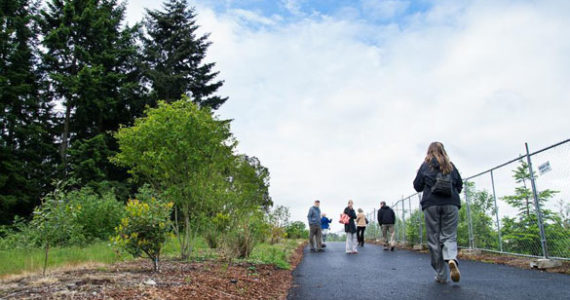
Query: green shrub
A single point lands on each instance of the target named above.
(96, 215)
(19, 235)
(144, 229)
(296, 230)
(219, 226)
(55, 221)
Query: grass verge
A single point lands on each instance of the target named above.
(278, 254)
(17, 261)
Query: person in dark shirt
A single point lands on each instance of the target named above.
(386, 220)
(350, 229)
(440, 183)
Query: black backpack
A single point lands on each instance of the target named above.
(443, 185)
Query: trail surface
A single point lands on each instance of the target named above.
(378, 274)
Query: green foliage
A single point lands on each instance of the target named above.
(56, 221)
(19, 235)
(296, 230)
(184, 152)
(27, 148)
(413, 228)
(276, 254)
(220, 225)
(97, 215)
(32, 259)
(523, 198)
(173, 52)
(144, 229)
(482, 212)
(521, 234)
(91, 59)
(278, 219)
(64, 219)
(333, 237)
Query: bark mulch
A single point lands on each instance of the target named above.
(211, 279)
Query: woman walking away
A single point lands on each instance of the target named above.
(441, 185)
(350, 229)
(361, 223)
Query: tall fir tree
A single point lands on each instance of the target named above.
(91, 59)
(173, 55)
(27, 154)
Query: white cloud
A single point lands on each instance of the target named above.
(384, 9)
(342, 109)
(293, 6)
(252, 17)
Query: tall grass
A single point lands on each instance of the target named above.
(18, 260)
(277, 254)
(15, 261)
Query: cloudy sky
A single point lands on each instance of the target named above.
(340, 99)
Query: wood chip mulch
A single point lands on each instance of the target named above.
(177, 280)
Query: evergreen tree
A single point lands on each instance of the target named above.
(91, 59)
(173, 55)
(521, 234)
(26, 151)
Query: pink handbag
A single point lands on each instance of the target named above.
(344, 219)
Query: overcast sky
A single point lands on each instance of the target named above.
(340, 99)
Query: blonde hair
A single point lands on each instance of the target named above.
(437, 151)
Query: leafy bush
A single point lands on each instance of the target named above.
(144, 229)
(66, 218)
(96, 215)
(296, 230)
(219, 226)
(55, 221)
(278, 219)
(19, 235)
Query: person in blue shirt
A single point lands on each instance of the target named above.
(325, 227)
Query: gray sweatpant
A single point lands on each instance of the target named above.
(441, 230)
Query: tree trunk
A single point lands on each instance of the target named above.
(46, 258)
(155, 263)
(65, 137)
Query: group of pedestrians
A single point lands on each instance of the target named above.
(354, 226)
(440, 183)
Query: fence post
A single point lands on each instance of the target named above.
(537, 205)
(410, 211)
(420, 221)
(497, 212)
(469, 221)
(375, 218)
(403, 221)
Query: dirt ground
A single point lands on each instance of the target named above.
(495, 258)
(134, 280)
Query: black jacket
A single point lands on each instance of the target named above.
(386, 216)
(351, 226)
(425, 179)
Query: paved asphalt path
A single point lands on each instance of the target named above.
(378, 274)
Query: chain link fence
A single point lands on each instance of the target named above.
(520, 207)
